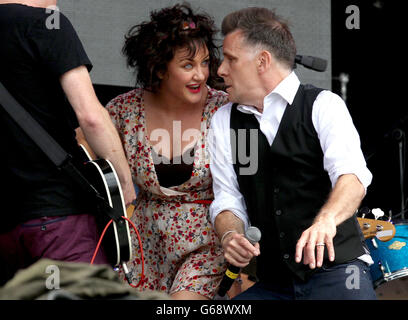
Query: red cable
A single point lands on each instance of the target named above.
(141, 253)
(140, 245)
(100, 240)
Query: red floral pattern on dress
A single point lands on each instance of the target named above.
(181, 248)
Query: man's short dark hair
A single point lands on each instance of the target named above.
(262, 26)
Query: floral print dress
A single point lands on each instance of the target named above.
(180, 247)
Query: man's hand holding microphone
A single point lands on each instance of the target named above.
(239, 249)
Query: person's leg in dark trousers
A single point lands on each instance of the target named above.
(349, 281)
(69, 238)
(266, 291)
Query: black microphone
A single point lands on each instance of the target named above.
(314, 63)
(253, 235)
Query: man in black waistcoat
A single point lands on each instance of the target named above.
(286, 157)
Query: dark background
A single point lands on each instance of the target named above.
(372, 57)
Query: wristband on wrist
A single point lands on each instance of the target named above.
(225, 234)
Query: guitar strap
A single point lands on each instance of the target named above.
(58, 156)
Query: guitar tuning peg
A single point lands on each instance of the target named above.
(364, 211)
(377, 212)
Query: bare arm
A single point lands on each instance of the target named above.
(81, 140)
(237, 249)
(97, 126)
(343, 202)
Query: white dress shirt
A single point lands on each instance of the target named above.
(338, 138)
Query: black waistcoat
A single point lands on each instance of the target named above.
(288, 188)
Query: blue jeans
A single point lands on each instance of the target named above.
(349, 281)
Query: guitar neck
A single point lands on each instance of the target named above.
(382, 230)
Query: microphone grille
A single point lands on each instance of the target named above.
(253, 234)
(319, 64)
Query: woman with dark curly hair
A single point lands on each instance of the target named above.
(163, 124)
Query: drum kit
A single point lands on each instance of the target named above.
(387, 236)
(387, 241)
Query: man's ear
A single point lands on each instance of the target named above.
(264, 60)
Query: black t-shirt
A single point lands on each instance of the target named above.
(32, 59)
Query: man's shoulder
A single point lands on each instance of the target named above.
(322, 95)
(327, 96)
(223, 113)
(25, 13)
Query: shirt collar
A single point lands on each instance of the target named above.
(286, 89)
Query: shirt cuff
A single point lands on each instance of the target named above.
(363, 175)
(216, 210)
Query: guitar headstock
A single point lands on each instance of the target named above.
(382, 230)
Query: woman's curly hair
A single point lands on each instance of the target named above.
(151, 45)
